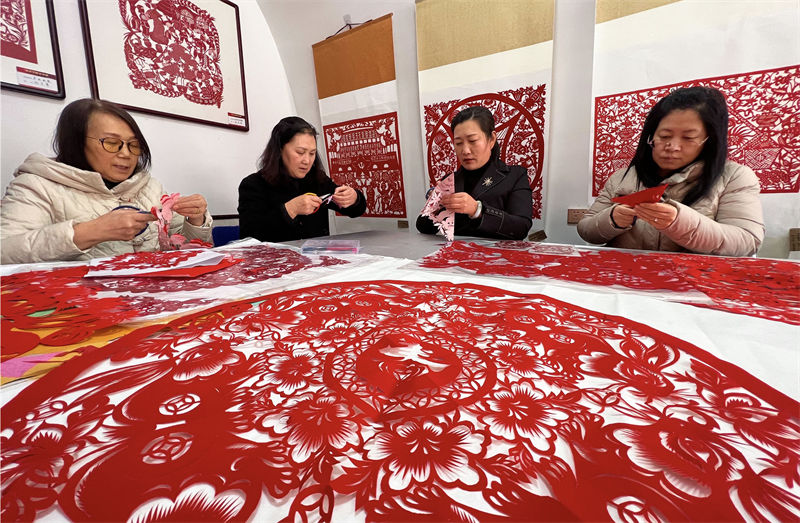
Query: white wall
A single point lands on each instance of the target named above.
(187, 157)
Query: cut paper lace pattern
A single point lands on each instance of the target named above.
(423, 401)
(172, 48)
(261, 262)
(442, 218)
(63, 300)
(763, 132)
(757, 287)
(365, 154)
(519, 116)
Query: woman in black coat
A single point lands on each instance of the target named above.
(288, 197)
(491, 199)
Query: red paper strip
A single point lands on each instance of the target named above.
(651, 195)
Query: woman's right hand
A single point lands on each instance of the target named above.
(623, 215)
(303, 205)
(120, 224)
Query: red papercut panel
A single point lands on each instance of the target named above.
(261, 262)
(757, 287)
(410, 401)
(365, 154)
(16, 30)
(54, 300)
(519, 123)
(763, 133)
(172, 49)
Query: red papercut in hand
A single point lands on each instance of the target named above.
(651, 195)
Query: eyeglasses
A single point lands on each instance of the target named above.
(114, 145)
(676, 143)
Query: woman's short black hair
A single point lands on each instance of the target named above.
(485, 120)
(710, 105)
(69, 142)
(270, 165)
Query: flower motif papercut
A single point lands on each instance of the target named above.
(541, 410)
(754, 286)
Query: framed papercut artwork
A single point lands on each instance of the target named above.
(175, 58)
(31, 61)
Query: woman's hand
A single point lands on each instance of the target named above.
(460, 202)
(192, 207)
(659, 215)
(344, 196)
(623, 215)
(120, 224)
(302, 205)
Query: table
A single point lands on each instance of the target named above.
(379, 388)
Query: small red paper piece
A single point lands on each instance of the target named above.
(651, 195)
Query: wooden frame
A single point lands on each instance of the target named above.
(31, 58)
(179, 59)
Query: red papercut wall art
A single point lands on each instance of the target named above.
(16, 30)
(519, 123)
(365, 154)
(407, 402)
(763, 132)
(176, 58)
(757, 287)
(172, 49)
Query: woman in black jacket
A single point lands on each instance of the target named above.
(491, 199)
(280, 202)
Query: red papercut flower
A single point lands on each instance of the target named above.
(291, 372)
(317, 423)
(204, 360)
(523, 412)
(430, 452)
(522, 360)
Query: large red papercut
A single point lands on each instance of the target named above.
(16, 31)
(763, 133)
(519, 123)
(172, 48)
(423, 401)
(757, 287)
(365, 154)
(76, 308)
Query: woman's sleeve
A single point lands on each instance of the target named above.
(354, 211)
(739, 225)
(26, 225)
(425, 225)
(261, 217)
(514, 221)
(596, 225)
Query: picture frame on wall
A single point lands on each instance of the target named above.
(31, 58)
(179, 59)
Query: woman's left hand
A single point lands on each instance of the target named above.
(460, 202)
(344, 196)
(192, 207)
(659, 215)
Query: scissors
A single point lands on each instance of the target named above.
(135, 209)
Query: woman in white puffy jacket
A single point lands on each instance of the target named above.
(92, 199)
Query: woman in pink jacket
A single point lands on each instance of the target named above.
(710, 205)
